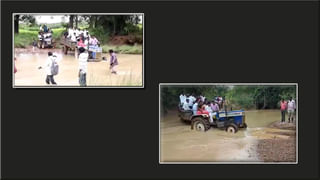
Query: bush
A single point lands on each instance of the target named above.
(100, 34)
(123, 49)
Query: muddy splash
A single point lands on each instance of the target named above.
(180, 144)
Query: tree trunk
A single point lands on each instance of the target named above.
(77, 21)
(71, 21)
(16, 23)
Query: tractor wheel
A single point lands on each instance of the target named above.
(200, 124)
(245, 125)
(232, 128)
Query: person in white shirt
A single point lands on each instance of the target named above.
(77, 32)
(208, 108)
(202, 98)
(70, 32)
(47, 67)
(291, 109)
(83, 67)
(186, 106)
(192, 98)
(73, 37)
(182, 98)
(195, 107)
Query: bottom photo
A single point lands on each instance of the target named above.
(228, 123)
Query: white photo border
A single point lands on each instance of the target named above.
(143, 51)
(228, 162)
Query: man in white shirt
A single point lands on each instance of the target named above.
(83, 67)
(202, 98)
(195, 108)
(291, 109)
(190, 103)
(52, 58)
(186, 105)
(192, 98)
(208, 108)
(182, 98)
(73, 37)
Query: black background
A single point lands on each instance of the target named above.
(86, 133)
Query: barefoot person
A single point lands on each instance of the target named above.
(83, 67)
(283, 108)
(113, 61)
(291, 109)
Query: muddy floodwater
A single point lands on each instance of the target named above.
(129, 70)
(178, 143)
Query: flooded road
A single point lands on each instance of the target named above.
(181, 144)
(129, 70)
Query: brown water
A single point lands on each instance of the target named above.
(129, 70)
(181, 144)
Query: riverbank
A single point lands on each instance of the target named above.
(281, 144)
(25, 39)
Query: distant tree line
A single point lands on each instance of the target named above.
(239, 96)
(113, 24)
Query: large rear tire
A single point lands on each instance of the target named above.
(200, 124)
(245, 125)
(232, 128)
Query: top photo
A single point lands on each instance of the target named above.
(63, 50)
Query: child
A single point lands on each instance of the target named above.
(34, 45)
(83, 67)
(113, 61)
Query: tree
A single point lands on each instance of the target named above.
(16, 23)
(77, 21)
(28, 19)
(71, 17)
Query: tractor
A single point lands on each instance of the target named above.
(229, 121)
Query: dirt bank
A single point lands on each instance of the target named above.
(280, 146)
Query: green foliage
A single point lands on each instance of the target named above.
(24, 38)
(239, 96)
(100, 34)
(123, 49)
(27, 36)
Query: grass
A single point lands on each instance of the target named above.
(123, 49)
(26, 37)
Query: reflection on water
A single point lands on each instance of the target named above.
(129, 70)
(180, 143)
